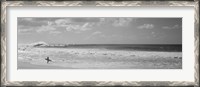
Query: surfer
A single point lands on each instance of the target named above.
(48, 60)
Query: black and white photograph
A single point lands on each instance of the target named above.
(99, 43)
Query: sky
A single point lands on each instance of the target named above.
(99, 30)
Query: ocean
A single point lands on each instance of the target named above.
(129, 47)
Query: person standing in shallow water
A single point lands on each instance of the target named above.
(48, 60)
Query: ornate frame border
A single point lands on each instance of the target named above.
(5, 83)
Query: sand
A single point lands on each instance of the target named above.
(74, 58)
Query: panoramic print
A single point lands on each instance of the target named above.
(99, 43)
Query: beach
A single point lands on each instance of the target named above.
(91, 58)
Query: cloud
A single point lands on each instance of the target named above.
(153, 34)
(45, 28)
(49, 23)
(86, 26)
(172, 27)
(101, 21)
(146, 26)
(100, 35)
(72, 27)
(76, 25)
(28, 19)
(94, 34)
(79, 27)
(85, 19)
(66, 24)
(120, 22)
(30, 22)
(24, 29)
(54, 32)
(116, 22)
(62, 22)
